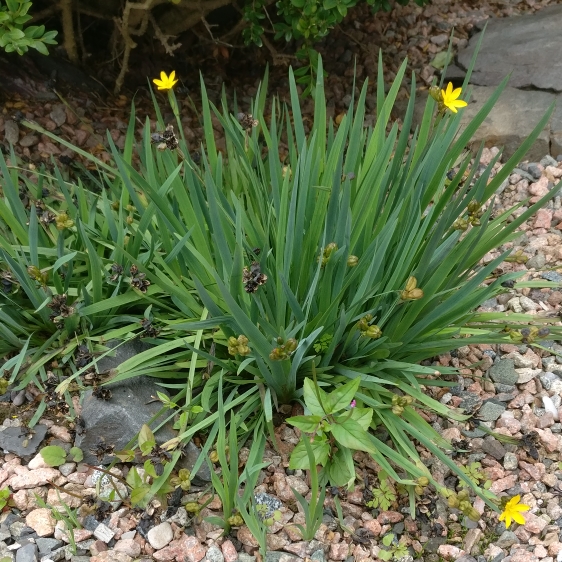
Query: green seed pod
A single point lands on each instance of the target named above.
(291, 345)
(352, 261)
(192, 507)
(423, 481)
(463, 495)
(473, 514)
(330, 248)
(452, 501)
(473, 207)
(214, 457)
(373, 332)
(236, 520)
(435, 93)
(419, 490)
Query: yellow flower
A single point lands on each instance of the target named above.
(449, 98)
(166, 82)
(512, 510)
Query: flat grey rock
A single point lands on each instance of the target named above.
(131, 406)
(15, 440)
(491, 411)
(527, 46)
(504, 372)
(119, 419)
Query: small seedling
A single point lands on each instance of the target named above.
(384, 495)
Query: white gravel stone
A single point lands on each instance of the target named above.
(160, 536)
(550, 407)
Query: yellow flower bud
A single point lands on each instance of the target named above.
(214, 457)
(243, 350)
(192, 507)
(419, 490)
(330, 248)
(452, 501)
(352, 261)
(423, 481)
(242, 340)
(232, 341)
(129, 219)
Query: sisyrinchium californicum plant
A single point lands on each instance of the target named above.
(324, 275)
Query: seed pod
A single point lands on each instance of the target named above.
(435, 93)
(352, 261)
(419, 490)
(473, 514)
(214, 457)
(291, 345)
(411, 284)
(423, 481)
(192, 507)
(452, 501)
(373, 332)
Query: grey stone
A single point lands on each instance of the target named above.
(547, 379)
(433, 544)
(318, 556)
(552, 276)
(491, 411)
(535, 171)
(119, 419)
(58, 114)
(27, 553)
(16, 440)
(493, 447)
(270, 556)
(510, 461)
(524, 174)
(4, 533)
(243, 557)
(271, 503)
(536, 262)
(548, 161)
(29, 140)
(505, 388)
(504, 372)
(466, 559)
(47, 545)
(470, 401)
(214, 554)
(80, 558)
(11, 131)
(526, 46)
(507, 539)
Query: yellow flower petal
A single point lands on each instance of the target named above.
(449, 89)
(456, 93)
(521, 507)
(163, 76)
(173, 75)
(159, 83)
(518, 518)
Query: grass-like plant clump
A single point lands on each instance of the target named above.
(323, 275)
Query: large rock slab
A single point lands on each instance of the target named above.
(131, 406)
(528, 46)
(511, 120)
